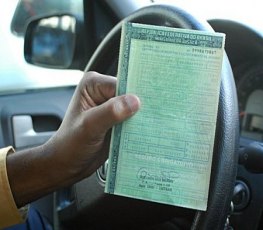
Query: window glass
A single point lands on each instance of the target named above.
(15, 74)
(27, 9)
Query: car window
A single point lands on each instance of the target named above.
(15, 73)
(27, 9)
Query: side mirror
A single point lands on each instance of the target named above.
(51, 42)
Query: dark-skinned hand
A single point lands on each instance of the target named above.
(80, 145)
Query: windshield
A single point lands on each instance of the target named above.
(15, 73)
(248, 12)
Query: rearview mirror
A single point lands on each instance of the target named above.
(50, 42)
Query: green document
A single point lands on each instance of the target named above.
(164, 152)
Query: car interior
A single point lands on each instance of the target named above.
(89, 41)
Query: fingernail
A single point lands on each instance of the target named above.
(133, 102)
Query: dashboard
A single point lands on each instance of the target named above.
(244, 47)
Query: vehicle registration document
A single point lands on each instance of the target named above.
(164, 152)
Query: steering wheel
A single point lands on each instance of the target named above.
(224, 163)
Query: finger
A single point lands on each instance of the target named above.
(97, 87)
(115, 110)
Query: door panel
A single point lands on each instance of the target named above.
(30, 118)
(38, 111)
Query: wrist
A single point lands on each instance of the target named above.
(59, 158)
(32, 173)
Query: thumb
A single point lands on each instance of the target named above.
(113, 111)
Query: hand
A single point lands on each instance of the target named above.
(80, 145)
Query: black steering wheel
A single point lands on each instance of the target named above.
(224, 163)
